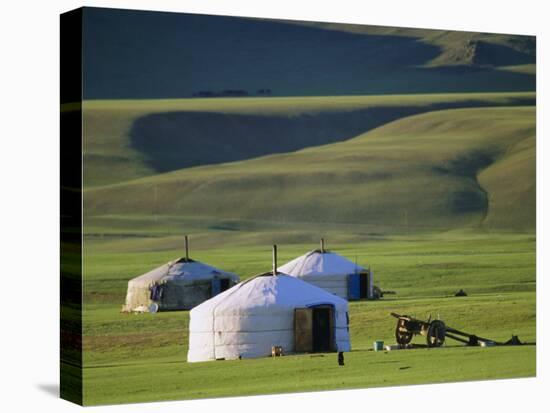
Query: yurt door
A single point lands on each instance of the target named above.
(216, 286)
(358, 286)
(224, 284)
(314, 329)
(303, 331)
(363, 285)
(219, 285)
(322, 329)
(354, 287)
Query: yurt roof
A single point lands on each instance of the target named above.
(319, 262)
(182, 268)
(267, 293)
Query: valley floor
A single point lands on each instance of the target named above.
(137, 358)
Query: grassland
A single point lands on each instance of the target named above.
(142, 357)
(444, 169)
(191, 53)
(455, 47)
(115, 150)
(435, 193)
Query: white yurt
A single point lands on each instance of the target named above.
(177, 285)
(333, 273)
(268, 310)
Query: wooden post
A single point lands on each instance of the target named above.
(186, 249)
(274, 259)
(322, 245)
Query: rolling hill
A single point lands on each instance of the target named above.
(131, 54)
(456, 48)
(458, 168)
(129, 139)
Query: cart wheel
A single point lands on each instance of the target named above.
(403, 336)
(436, 334)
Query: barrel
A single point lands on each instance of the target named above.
(378, 345)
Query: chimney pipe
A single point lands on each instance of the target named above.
(274, 259)
(322, 245)
(186, 249)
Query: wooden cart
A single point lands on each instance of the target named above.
(436, 331)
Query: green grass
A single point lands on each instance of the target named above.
(459, 168)
(445, 262)
(133, 358)
(173, 380)
(110, 155)
(433, 203)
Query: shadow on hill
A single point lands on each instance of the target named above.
(139, 55)
(463, 78)
(468, 165)
(176, 140)
(499, 55)
(184, 53)
(474, 198)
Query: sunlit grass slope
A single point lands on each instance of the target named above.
(128, 139)
(443, 169)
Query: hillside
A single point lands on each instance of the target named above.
(456, 48)
(444, 169)
(132, 54)
(128, 139)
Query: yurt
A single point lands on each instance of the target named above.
(267, 311)
(177, 285)
(333, 273)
